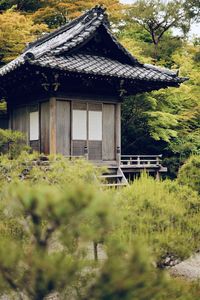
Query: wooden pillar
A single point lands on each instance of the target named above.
(118, 133)
(9, 117)
(52, 132)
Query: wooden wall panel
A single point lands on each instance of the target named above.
(35, 145)
(109, 132)
(53, 124)
(78, 148)
(4, 122)
(20, 120)
(44, 127)
(95, 150)
(79, 105)
(63, 127)
(95, 106)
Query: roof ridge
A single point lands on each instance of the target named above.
(94, 17)
(98, 9)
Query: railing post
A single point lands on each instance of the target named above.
(118, 156)
(138, 160)
(86, 152)
(118, 132)
(158, 175)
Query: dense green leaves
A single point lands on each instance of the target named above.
(189, 174)
(56, 13)
(21, 5)
(57, 225)
(163, 213)
(12, 143)
(15, 32)
(158, 17)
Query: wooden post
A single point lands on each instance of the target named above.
(86, 153)
(158, 164)
(118, 133)
(10, 116)
(52, 126)
(158, 175)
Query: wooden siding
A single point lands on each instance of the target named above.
(79, 105)
(52, 125)
(20, 120)
(63, 127)
(4, 122)
(44, 127)
(35, 145)
(109, 132)
(78, 148)
(95, 106)
(95, 150)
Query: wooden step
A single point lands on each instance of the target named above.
(114, 177)
(111, 176)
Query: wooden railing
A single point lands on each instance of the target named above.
(139, 161)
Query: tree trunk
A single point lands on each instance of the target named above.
(155, 54)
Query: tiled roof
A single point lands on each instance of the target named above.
(98, 65)
(55, 51)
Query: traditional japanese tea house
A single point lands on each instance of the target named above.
(65, 91)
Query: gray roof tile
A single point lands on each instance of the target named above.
(98, 65)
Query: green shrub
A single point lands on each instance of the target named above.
(130, 275)
(51, 200)
(12, 142)
(189, 173)
(164, 214)
(53, 170)
(58, 225)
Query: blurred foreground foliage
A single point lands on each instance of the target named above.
(52, 209)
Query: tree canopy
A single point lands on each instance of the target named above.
(158, 17)
(16, 31)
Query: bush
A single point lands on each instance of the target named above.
(57, 225)
(164, 214)
(12, 142)
(189, 174)
(130, 275)
(52, 170)
(51, 209)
